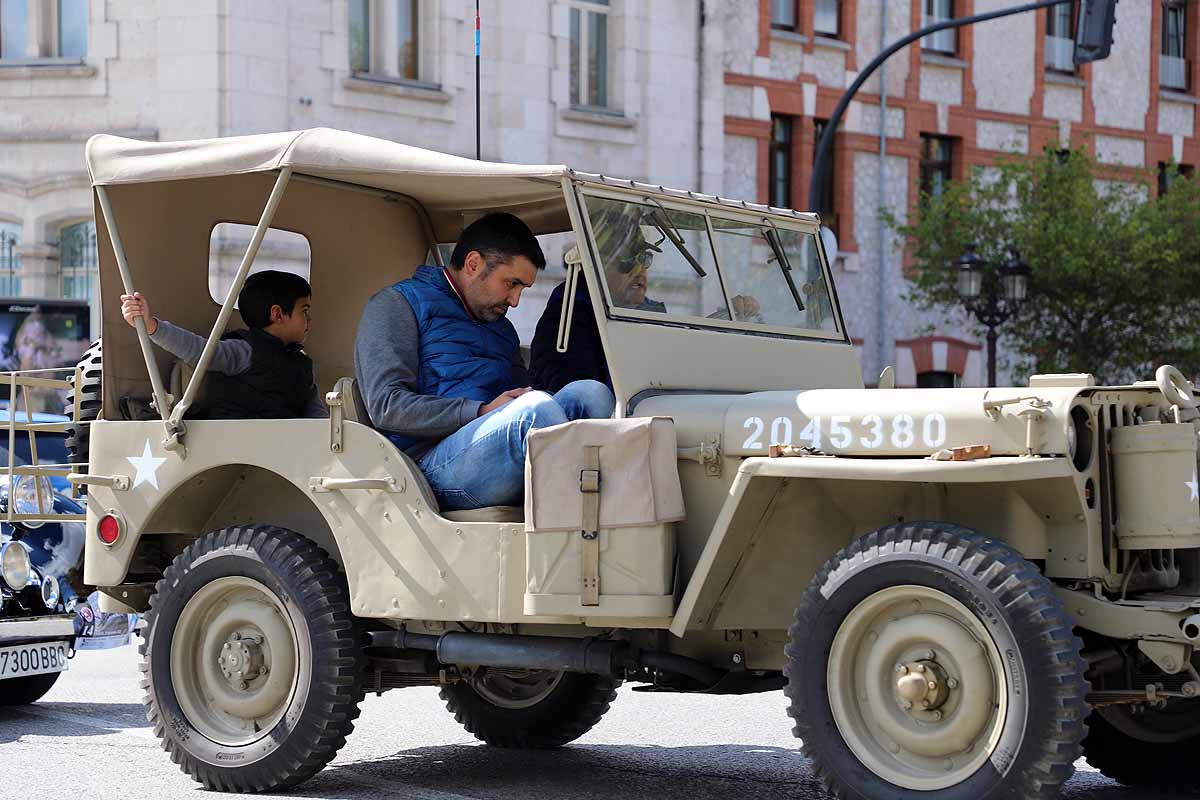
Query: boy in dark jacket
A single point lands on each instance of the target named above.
(259, 372)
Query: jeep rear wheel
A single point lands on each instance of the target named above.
(1147, 747)
(928, 661)
(252, 668)
(528, 708)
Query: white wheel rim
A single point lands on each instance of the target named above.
(515, 688)
(234, 660)
(918, 721)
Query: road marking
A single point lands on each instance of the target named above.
(91, 722)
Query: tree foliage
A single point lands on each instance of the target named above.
(1115, 283)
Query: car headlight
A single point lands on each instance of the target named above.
(25, 496)
(14, 565)
(50, 591)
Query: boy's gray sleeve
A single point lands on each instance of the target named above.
(232, 356)
(316, 408)
(387, 360)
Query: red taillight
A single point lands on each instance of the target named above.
(109, 529)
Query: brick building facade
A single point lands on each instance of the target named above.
(957, 101)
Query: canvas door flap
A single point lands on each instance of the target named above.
(630, 455)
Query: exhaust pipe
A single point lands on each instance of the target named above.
(1190, 627)
(593, 656)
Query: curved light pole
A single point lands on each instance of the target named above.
(820, 165)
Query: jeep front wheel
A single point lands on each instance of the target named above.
(929, 661)
(528, 708)
(251, 666)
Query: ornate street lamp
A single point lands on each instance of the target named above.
(992, 302)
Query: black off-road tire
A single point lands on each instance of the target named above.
(328, 685)
(1137, 761)
(1038, 739)
(90, 399)
(569, 711)
(23, 691)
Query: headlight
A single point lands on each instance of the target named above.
(50, 591)
(14, 565)
(25, 497)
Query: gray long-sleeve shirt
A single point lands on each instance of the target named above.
(387, 360)
(232, 357)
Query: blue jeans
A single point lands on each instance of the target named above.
(483, 462)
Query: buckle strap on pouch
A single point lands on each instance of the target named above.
(589, 543)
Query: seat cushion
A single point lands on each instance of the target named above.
(487, 514)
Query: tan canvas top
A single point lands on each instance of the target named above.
(444, 184)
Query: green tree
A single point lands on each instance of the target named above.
(1115, 283)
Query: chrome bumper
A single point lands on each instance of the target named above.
(58, 626)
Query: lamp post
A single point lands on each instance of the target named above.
(992, 302)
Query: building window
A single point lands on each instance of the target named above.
(827, 18)
(384, 39)
(938, 379)
(32, 30)
(825, 203)
(944, 41)
(10, 262)
(589, 54)
(1172, 63)
(781, 161)
(937, 157)
(785, 15)
(77, 259)
(1060, 38)
(1168, 173)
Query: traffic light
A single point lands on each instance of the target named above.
(1094, 33)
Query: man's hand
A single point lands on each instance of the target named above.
(134, 306)
(745, 307)
(504, 399)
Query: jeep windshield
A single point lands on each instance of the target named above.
(701, 267)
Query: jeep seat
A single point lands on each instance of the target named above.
(356, 411)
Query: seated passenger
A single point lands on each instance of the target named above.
(440, 368)
(259, 372)
(626, 274)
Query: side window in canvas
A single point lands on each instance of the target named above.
(281, 250)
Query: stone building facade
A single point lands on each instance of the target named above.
(723, 96)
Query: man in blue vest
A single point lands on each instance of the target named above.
(440, 369)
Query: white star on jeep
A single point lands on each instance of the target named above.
(1194, 485)
(147, 467)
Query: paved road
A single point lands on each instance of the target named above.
(90, 732)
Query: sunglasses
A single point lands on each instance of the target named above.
(643, 259)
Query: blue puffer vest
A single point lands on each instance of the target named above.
(460, 356)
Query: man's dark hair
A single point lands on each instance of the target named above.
(499, 237)
(270, 288)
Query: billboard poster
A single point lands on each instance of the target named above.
(41, 334)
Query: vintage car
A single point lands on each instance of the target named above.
(954, 586)
(38, 559)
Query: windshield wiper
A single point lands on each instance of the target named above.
(662, 221)
(772, 237)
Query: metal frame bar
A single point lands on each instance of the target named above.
(161, 402)
(175, 422)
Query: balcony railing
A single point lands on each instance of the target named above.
(1173, 72)
(1060, 54)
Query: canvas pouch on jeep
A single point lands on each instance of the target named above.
(625, 547)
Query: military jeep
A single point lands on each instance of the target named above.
(959, 590)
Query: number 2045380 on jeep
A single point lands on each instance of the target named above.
(953, 587)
